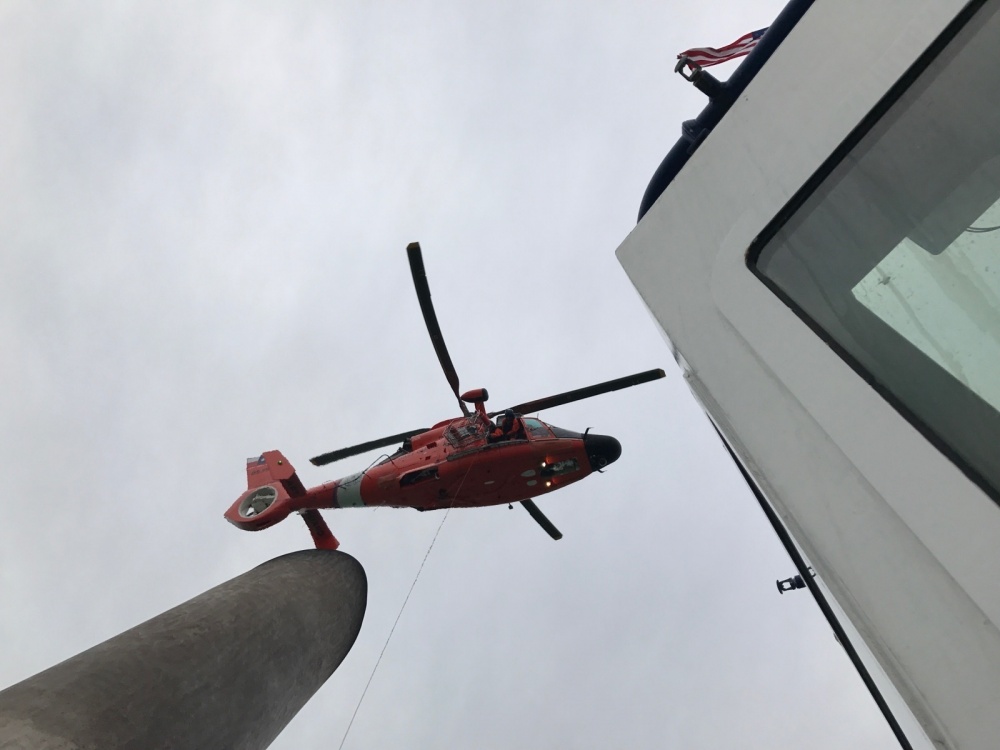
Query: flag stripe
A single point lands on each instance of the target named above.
(706, 56)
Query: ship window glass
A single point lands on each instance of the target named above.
(894, 255)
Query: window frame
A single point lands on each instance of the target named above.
(531, 436)
(814, 183)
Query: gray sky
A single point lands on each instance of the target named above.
(204, 209)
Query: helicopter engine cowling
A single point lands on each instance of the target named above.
(476, 396)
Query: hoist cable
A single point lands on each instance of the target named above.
(398, 616)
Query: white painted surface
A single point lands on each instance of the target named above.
(349, 491)
(906, 544)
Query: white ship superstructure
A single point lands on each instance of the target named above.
(822, 250)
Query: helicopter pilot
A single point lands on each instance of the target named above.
(509, 428)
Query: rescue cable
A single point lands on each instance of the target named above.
(398, 616)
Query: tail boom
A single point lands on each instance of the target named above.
(274, 491)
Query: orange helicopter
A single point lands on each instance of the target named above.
(464, 462)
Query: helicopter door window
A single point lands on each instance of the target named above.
(416, 477)
(536, 429)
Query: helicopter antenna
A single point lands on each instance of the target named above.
(430, 319)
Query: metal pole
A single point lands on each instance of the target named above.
(227, 669)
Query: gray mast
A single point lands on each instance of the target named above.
(227, 669)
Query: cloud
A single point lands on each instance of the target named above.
(204, 210)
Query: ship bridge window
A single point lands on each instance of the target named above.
(892, 253)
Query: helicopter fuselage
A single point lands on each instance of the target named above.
(458, 463)
(465, 462)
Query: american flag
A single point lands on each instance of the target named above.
(704, 57)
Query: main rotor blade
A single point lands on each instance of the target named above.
(544, 522)
(581, 393)
(329, 458)
(430, 318)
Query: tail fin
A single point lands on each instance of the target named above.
(272, 486)
(270, 467)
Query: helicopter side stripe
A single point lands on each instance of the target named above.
(349, 492)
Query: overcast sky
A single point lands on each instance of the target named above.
(203, 210)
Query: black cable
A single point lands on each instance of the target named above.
(831, 617)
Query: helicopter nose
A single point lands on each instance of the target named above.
(601, 450)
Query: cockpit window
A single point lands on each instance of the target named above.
(536, 429)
